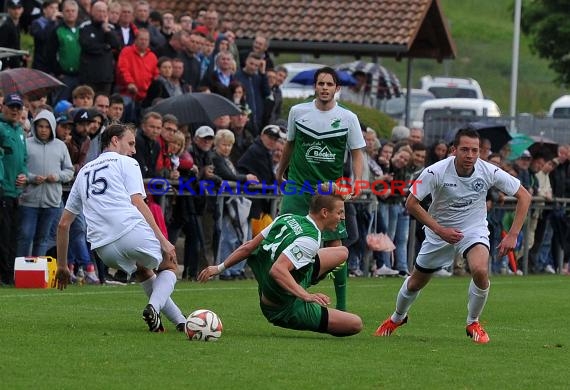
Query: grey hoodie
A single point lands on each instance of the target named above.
(46, 158)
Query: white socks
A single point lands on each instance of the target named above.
(404, 301)
(476, 303)
(169, 308)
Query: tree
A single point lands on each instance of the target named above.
(546, 22)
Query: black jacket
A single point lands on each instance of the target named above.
(147, 154)
(97, 63)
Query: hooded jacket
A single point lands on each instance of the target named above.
(46, 158)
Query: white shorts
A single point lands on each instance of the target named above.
(139, 246)
(436, 253)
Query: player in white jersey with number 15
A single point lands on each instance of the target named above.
(120, 227)
(456, 224)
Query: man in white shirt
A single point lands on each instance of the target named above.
(120, 227)
(456, 224)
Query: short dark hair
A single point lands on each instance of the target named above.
(326, 70)
(465, 132)
(116, 130)
(116, 99)
(325, 197)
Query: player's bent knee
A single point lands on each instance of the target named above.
(343, 324)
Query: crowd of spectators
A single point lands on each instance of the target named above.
(117, 60)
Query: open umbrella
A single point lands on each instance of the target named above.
(385, 83)
(519, 143)
(196, 107)
(32, 83)
(543, 146)
(307, 77)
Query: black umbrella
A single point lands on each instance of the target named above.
(196, 107)
(496, 133)
(543, 146)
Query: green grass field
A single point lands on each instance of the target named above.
(93, 337)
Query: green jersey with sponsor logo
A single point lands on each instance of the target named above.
(294, 236)
(321, 141)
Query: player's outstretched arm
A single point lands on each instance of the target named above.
(523, 203)
(240, 254)
(281, 272)
(62, 275)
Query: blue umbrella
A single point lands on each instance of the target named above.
(307, 77)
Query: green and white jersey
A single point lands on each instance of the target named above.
(321, 140)
(296, 237)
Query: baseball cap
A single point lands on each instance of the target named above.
(14, 3)
(204, 131)
(244, 108)
(526, 154)
(82, 115)
(272, 131)
(64, 119)
(62, 106)
(13, 99)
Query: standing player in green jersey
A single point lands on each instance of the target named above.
(319, 133)
(287, 258)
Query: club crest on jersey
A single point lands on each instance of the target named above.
(335, 123)
(319, 153)
(478, 185)
(297, 252)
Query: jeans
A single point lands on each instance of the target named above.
(35, 226)
(545, 253)
(78, 249)
(229, 241)
(397, 221)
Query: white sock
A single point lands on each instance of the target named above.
(476, 302)
(170, 310)
(404, 301)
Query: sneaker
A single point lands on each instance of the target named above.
(477, 333)
(442, 273)
(388, 327)
(91, 278)
(549, 269)
(355, 273)
(385, 271)
(152, 319)
(519, 272)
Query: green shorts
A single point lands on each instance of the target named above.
(299, 205)
(298, 314)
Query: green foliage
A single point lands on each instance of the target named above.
(93, 337)
(546, 23)
(370, 117)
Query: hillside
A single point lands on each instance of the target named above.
(483, 35)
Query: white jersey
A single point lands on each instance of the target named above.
(102, 191)
(460, 202)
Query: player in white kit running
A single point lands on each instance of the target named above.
(120, 227)
(456, 224)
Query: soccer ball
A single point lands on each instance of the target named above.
(203, 325)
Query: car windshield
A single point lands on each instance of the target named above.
(453, 92)
(561, 112)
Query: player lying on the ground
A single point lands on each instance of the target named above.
(286, 259)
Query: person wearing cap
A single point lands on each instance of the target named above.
(13, 178)
(79, 144)
(243, 137)
(10, 34)
(64, 124)
(49, 165)
(319, 134)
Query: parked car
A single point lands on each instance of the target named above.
(452, 87)
(294, 90)
(396, 107)
(439, 116)
(560, 108)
